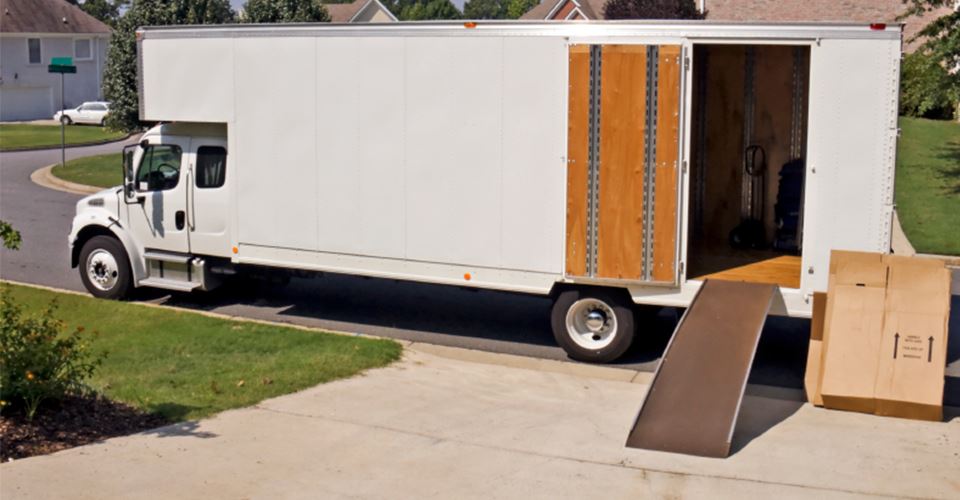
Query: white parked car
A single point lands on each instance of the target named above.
(89, 112)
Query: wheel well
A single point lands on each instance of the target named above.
(561, 286)
(83, 236)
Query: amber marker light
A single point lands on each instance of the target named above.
(236, 250)
(470, 25)
(467, 276)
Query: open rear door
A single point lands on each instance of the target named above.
(624, 162)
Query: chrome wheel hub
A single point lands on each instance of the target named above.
(102, 269)
(591, 323)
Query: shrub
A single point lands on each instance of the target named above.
(925, 87)
(38, 362)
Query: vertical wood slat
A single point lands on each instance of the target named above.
(578, 138)
(667, 164)
(622, 125)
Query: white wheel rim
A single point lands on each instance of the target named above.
(102, 270)
(591, 323)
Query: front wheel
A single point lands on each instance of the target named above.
(65, 120)
(593, 325)
(105, 268)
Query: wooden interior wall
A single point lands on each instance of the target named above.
(578, 138)
(667, 159)
(622, 125)
(723, 141)
(773, 117)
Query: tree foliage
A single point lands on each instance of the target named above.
(9, 237)
(485, 9)
(517, 8)
(651, 9)
(285, 11)
(120, 74)
(925, 87)
(422, 10)
(941, 44)
(107, 11)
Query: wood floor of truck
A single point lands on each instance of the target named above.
(774, 269)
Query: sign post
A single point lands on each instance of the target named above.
(62, 65)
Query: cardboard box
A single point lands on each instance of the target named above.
(811, 378)
(883, 346)
(913, 354)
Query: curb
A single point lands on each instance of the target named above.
(44, 177)
(69, 146)
(900, 245)
(597, 372)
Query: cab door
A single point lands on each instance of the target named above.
(207, 210)
(158, 217)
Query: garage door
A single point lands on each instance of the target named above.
(25, 103)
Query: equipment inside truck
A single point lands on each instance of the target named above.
(748, 150)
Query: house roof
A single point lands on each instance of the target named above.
(867, 11)
(591, 9)
(47, 16)
(346, 12)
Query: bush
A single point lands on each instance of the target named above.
(37, 362)
(925, 88)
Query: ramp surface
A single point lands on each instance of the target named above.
(695, 395)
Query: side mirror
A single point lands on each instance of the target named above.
(129, 176)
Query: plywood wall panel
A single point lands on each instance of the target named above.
(578, 138)
(667, 163)
(622, 125)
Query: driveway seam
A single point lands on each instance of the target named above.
(623, 464)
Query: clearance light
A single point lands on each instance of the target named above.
(878, 26)
(236, 250)
(467, 276)
(470, 25)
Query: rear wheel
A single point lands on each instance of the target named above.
(105, 268)
(593, 325)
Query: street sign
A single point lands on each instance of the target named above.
(57, 68)
(61, 65)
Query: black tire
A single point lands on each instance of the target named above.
(65, 120)
(118, 281)
(616, 303)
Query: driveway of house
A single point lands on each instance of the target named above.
(437, 425)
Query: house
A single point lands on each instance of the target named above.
(566, 10)
(31, 33)
(360, 11)
(865, 11)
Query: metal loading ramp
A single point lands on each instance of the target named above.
(695, 396)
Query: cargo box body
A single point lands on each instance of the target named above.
(495, 156)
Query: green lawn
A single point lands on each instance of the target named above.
(102, 171)
(184, 365)
(928, 184)
(25, 136)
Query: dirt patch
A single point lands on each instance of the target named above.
(73, 422)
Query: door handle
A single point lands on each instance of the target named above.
(180, 217)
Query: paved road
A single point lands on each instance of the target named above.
(486, 320)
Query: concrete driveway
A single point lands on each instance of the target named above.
(438, 426)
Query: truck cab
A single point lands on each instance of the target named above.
(166, 223)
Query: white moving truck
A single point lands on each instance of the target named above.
(605, 164)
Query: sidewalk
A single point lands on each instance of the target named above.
(438, 427)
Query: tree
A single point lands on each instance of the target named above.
(941, 42)
(517, 8)
(422, 10)
(107, 11)
(485, 9)
(285, 11)
(120, 74)
(924, 87)
(651, 9)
